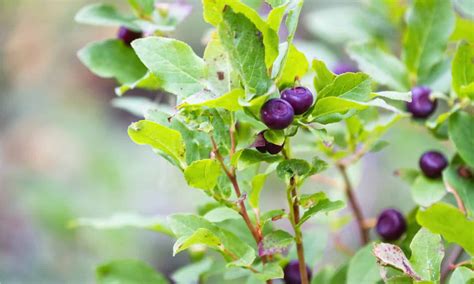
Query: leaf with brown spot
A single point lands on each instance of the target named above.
(392, 255)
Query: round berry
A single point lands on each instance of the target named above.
(127, 36)
(342, 68)
(263, 146)
(391, 224)
(292, 273)
(300, 98)
(277, 114)
(432, 164)
(421, 105)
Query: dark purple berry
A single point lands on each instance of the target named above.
(127, 36)
(391, 224)
(277, 114)
(432, 164)
(263, 146)
(292, 273)
(421, 105)
(300, 98)
(260, 143)
(342, 68)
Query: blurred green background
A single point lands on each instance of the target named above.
(65, 153)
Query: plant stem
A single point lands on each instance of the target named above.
(232, 176)
(357, 212)
(295, 219)
(447, 266)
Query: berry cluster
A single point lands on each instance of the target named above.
(279, 114)
(421, 105)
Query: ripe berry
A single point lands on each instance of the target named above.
(342, 68)
(421, 105)
(263, 146)
(300, 98)
(127, 36)
(277, 114)
(292, 273)
(391, 224)
(432, 164)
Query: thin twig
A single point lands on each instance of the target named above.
(295, 219)
(363, 232)
(232, 176)
(459, 202)
(452, 259)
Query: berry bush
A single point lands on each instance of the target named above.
(256, 106)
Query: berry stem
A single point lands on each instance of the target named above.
(357, 212)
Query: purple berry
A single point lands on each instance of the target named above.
(292, 273)
(391, 224)
(263, 146)
(342, 68)
(277, 114)
(432, 164)
(421, 105)
(127, 36)
(300, 98)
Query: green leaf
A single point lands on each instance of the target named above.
(363, 267)
(323, 76)
(392, 255)
(258, 182)
(334, 105)
(426, 191)
(293, 167)
(215, 14)
(124, 220)
(270, 271)
(104, 15)
(184, 226)
(383, 67)
(461, 132)
(138, 106)
(276, 14)
(220, 214)
(147, 82)
(244, 43)
(128, 272)
(398, 96)
(275, 136)
(323, 206)
(161, 138)
(229, 101)
(203, 174)
(294, 68)
(427, 252)
(201, 236)
(248, 157)
(450, 223)
(142, 7)
(275, 242)
(463, 30)
(462, 185)
(429, 25)
(177, 67)
(222, 79)
(463, 70)
(462, 275)
(112, 59)
(293, 18)
(309, 200)
(191, 273)
(352, 86)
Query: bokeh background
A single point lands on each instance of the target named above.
(65, 153)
